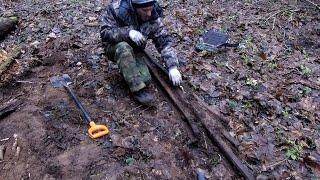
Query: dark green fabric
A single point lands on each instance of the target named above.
(120, 18)
(132, 67)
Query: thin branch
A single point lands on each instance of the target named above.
(316, 5)
(274, 20)
(272, 15)
(275, 164)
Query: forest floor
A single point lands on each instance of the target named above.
(268, 88)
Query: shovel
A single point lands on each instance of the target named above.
(95, 130)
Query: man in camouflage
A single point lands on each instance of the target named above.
(127, 24)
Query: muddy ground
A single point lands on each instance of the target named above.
(268, 89)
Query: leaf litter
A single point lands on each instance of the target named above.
(268, 88)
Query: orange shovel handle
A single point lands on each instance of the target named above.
(96, 131)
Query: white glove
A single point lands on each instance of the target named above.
(137, 37)
(175, 76)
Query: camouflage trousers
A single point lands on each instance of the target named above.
(131, 64)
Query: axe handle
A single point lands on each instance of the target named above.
(78, 103)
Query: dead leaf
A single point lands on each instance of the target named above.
(262, 55)
(99, 91)
(3, 56)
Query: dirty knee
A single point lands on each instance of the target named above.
(123, 47)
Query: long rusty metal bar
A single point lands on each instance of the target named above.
(206, 120)
(213, 112)
(179, 104)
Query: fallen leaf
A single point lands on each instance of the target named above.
(262, 55)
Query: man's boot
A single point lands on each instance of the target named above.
(144, 97)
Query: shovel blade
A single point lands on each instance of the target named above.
(60, 81)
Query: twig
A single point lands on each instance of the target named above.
(316, 5)
(205, 142)
(30, 82)
(275, 164)
(143, 110)
(313, 85)
(274, 20)
(15, 144)
(274, 14)
(280, 125)
(134, 109)
(5, 139)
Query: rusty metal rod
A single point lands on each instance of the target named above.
(214, 134)
(216, 114)
(178, 103)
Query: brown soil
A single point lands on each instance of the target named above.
(271, 119)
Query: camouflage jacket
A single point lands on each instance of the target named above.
(120, 18)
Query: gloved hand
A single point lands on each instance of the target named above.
(137, 37)
(175, 76)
